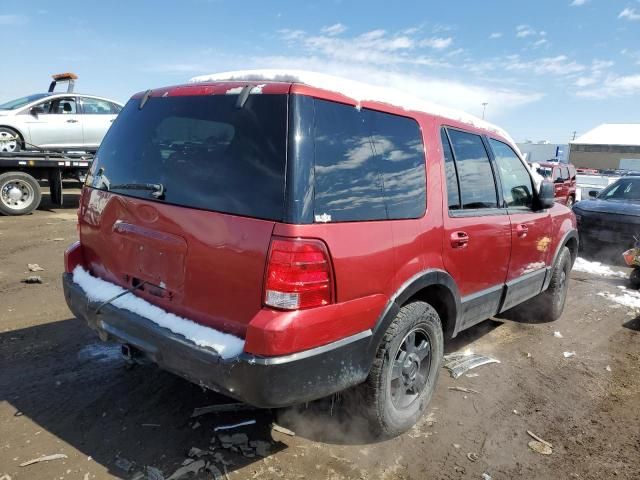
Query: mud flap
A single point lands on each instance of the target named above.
(55, 186)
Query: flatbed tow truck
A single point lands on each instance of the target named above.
(22, 172)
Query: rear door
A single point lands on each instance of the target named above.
(97, 117)
(57, 125)
(477, 241)
(530, 230)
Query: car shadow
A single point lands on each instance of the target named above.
(60, 376)
(63, 378)
(633, 324)
(71, 201)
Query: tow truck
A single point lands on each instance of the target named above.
(22, 172)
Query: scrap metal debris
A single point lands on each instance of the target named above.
(193, 467)
(473, 457)
(234, 425)
(464, 389)
(280, 429)
(32, 279)
(34, 267)
(220, 408)
(539, 445)
(557, 335)
(460, 362)
(124, 464)
(486, 476)
(44, 458)
(569, 354)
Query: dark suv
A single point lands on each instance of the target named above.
(279, 242)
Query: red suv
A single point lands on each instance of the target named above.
(563, 177)
(279, 242)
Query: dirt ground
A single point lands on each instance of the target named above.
(63, 391)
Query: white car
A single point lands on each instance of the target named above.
(55, 121)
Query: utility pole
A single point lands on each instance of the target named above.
(574, 135)
(484, 108)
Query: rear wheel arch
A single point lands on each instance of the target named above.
(435, 287)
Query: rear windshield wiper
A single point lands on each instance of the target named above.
(157, 189)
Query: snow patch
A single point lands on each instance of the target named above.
(628, 298)
(355, 90)
(100, 352)
(596, 268)
(98, 290)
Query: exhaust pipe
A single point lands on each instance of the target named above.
(130, 353)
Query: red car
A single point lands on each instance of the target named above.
(279, 242)
(563, 177)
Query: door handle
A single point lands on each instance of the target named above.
(522, 230)
(71, 120)
(459, 239)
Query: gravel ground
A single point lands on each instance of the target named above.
(62, 391)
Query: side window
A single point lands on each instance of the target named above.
(477, 184)
(398, 142)
(348, 184)
(368, 165)
(94, 106)
(516, 182)
(556, 175)
(453, 193)
(44, 107)
(115, 108)
(564, 173)
(63, 106)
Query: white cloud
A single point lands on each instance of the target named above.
(437, 43)
(614, 86)
(7, 20)
(524, 31)
(335, 29)
(559, 65)
(629, 14)
(495, 35)
(539, 43)
(578, 3)
(584, 81)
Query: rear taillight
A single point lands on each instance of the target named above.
(73, 257)
(299, 274)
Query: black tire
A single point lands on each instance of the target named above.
(634, 278)
(548, 305)
(386, 411)
(12, 147)
(19, 193)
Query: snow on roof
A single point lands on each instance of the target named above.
(358, 91)
(611, 134)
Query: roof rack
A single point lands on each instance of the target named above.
(63, 77)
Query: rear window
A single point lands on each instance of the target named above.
(205, 152)
(369, 165)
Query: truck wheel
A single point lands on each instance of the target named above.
(405, 370)
(19, 193)
(10, 141)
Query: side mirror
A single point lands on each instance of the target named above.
(546, 195)
(593, 193)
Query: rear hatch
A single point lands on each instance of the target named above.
(183, 196)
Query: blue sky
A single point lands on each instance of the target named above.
(546, 67)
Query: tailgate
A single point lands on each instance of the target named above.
(201, 265)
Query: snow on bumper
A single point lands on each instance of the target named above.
(267, 382)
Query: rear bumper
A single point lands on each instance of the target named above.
(266, 382)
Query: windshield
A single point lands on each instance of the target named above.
(21, 102)
(199, 151)
(623, 189)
